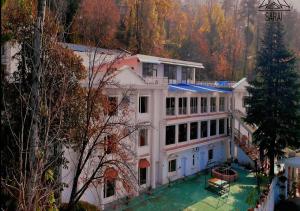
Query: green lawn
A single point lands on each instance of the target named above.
(191, 195)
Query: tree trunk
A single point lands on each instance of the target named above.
(34, 104)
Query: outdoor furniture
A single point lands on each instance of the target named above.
(218, 186)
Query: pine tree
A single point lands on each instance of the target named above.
(274, 96)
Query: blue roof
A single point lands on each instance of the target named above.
(196, 88)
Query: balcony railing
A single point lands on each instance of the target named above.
(216, 84)
(156, 80)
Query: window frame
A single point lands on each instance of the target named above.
(170, 72)
(182, 136)
(172, 166)
(186, 74)
(170, 111)
(204, 106)
(202, 131)
(210, 154)
(220, 131)
(168, 136)
(105, 188)
(147, 104)
(182, 110)
(194, 107)
(213, 104)
(193, 160)
(143, 181)
(146, 137)
(196, 129)
(113, 106)
(222, 106)
(149, 69)
(211, 129)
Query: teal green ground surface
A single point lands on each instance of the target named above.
(191, 195)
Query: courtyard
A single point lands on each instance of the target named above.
(190, 195)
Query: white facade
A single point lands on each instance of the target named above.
(188, 125)
(169, 162)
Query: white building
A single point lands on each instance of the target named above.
(188, 123)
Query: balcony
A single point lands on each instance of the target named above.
(156, 80)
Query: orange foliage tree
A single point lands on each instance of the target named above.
(96, 23)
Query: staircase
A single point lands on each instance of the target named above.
(248, 148)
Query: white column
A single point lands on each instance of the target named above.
(188, 105)
(217, 127)
(208, 128)
(194, 75)
(188, 131)
(208, 103)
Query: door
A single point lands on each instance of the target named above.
(183, 167)
(202, 160)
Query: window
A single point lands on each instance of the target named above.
(2, 49)
(194, 105)
(203, 104)
(228, 121)
(149, 70)
(109, 188)
(111, 108)
(213, 104)
(172, 165)
(245, 105)
(222, 104)
(210, 154)
(193, 161)
(143, 104)
(221, 126)
(213, 127)
(203, 129)
(244, 101)
(170, 72)
(143, 176)
(194, 130)
(186, 74)
(170, 106)
(109, 144)
(170, 134)
(182, 102)
(143, 137)
(198, 74)
(182, 136)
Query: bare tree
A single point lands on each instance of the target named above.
(104, 139)
(36, 99)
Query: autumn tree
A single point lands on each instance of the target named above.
(36, 97)
(248, 14)
(145, 25)
(96, 23)
(103, 140)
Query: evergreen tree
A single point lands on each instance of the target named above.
(274, 96)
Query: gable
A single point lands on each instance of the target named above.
(127, 76)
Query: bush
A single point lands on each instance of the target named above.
(81, 206)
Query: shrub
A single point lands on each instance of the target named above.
(81, 206)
